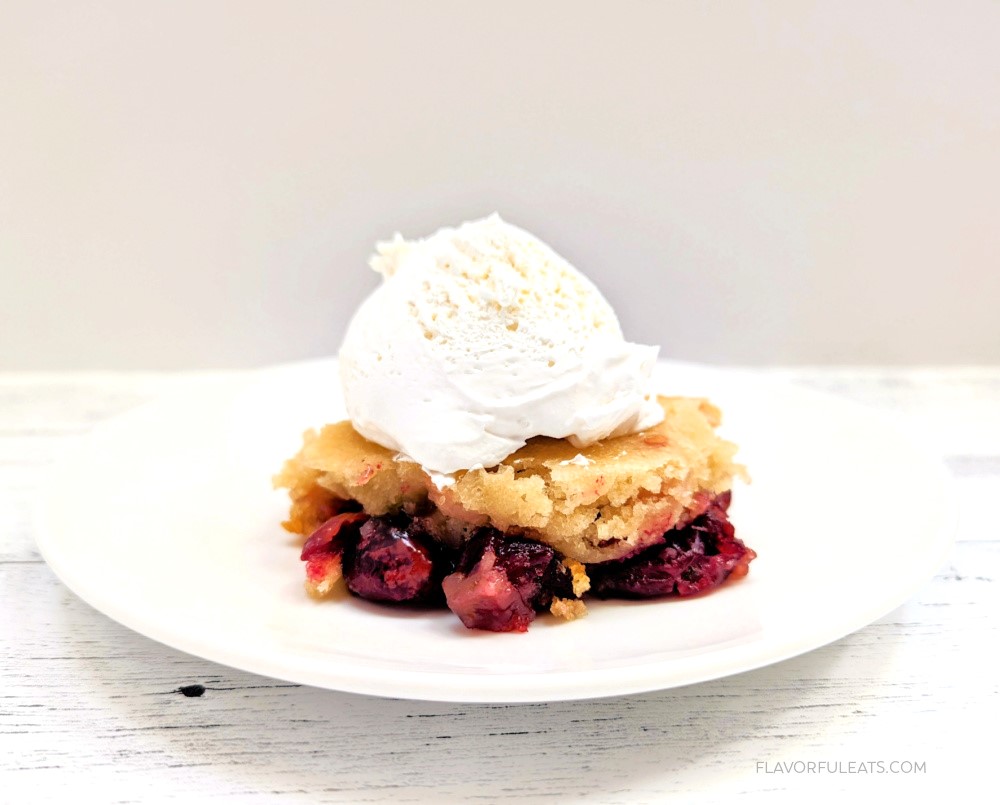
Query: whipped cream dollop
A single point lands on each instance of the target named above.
(481, 337)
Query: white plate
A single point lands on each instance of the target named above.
(165, 520)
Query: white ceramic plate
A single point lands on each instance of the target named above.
(165, 520)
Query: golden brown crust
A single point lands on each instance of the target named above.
(568, 608)
(619, 497)
(578, 574)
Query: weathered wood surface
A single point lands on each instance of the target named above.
(88, 708)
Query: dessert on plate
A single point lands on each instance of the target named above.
(504, 453)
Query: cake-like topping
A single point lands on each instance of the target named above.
(481, 338)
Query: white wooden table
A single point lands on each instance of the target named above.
(89, 708)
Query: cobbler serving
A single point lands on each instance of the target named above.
(504, 456)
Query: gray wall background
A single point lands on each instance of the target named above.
(189, 185)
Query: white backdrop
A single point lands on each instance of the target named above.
(200, 184)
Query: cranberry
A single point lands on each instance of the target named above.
(390, 564)
(534, 569)
(485, 598)
(724, 500)
(690, 560)
(501, 582)
(322, 539)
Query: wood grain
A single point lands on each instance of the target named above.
(88, 707)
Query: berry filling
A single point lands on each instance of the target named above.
(690, 560)
(326, 538)
(485, 598)
(390, 564)
(500, 582)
